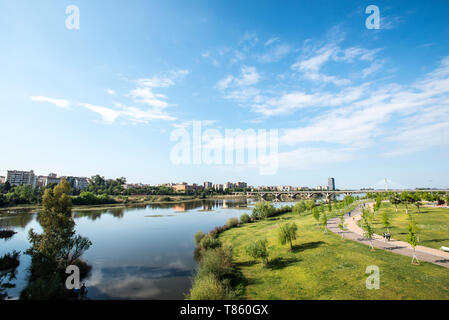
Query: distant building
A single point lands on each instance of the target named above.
(2, 180)
(19, 178)
(228, 185)
(78, 183)
(184, 187)
(331, 184)
(207, 184)
(218, 187)
(242, 185)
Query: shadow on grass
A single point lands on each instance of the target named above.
(281, 263)
(308, 245)
(435, 240)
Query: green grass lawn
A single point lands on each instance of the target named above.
(323, 266)
(433, 224)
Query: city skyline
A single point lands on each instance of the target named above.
(348, 102)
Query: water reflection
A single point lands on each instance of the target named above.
(133, 257)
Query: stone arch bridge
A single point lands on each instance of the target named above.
(312, 194)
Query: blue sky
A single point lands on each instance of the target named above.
(349, 102)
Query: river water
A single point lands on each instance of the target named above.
(136, 253)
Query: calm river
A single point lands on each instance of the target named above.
(136, 253)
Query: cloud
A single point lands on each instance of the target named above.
(275, 54)
(248, 76)
(59, 103)
(271, 41)
(110, 91)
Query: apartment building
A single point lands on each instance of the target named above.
(19, 178)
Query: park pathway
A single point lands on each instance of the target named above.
(355, 233)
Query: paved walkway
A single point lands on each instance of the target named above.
(355, 233)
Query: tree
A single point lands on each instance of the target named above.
(395, 200)
(341, 225)
(58, 246)
(299, 207)
(413, 238)
(386, 219)
(258, 250)
(287, 233)
(262, 210)
(324, 219)
(310, 204)
(407, 198)
(316, 215)
(368, 230)
(329, 206)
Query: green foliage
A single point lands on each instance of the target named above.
(58, 246)
(368, 230)
(232, 222)
(412, 233)
(386, 218)
(89, 198)
(217, 262)
(198, 237)
(258, 250)
(329, 206)
(299, 207)
(210, 288)
(341, 225)
(209, 242)
(324, 220)
(316, 214)
(245, 218)
(287, 233)
(262, 210)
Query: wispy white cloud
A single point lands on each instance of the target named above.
(57, 102)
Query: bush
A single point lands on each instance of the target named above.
(217, 262)
(209, 242)
(245, 218)
(198, 237)
(232, 222)
(208, 287)
(262, 210)
(258, 250)
(217, 230)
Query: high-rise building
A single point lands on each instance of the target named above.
(19, 178)
(331, 184)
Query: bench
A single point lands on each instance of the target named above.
(444, 249)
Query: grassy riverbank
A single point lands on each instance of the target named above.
(432, 223)
(323, 266)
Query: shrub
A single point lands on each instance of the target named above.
(232, 222)
(208, 287)
(245, 218)
(217, 230)
(299, 207)
(198, 236)
(262, 210)
(217, 262)
(209, 242)
(258, 250)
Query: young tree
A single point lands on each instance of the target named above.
(395, 200)
(287, 233)
(324, 219)
(413, 238)
(258, 250)
(407, 199)
(316, 215)
(299, 207)
(329, 205)
(368, 230)
(341, 225)
(386, 220)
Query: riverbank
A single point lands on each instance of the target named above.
(137, 201)
(323, 266)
